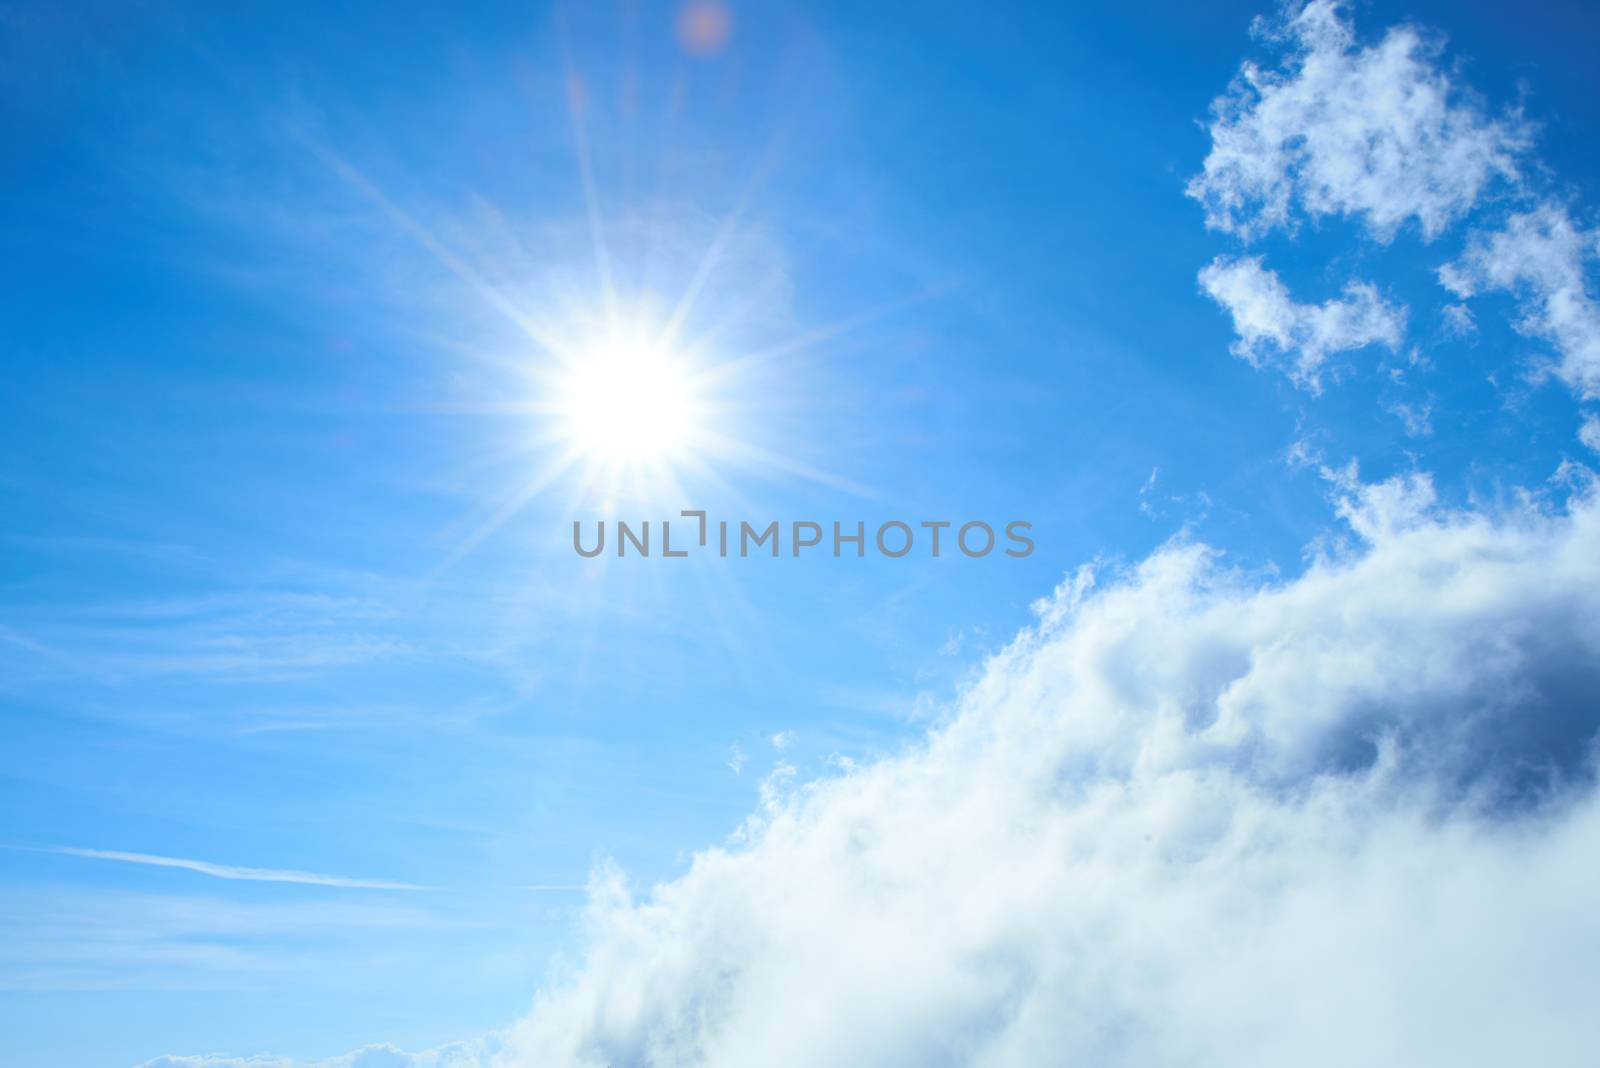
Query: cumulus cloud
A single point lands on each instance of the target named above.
(1192, 816)
(1377, 133)
(1543, 258)
(1273, 329)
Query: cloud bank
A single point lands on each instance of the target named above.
(1190, 817)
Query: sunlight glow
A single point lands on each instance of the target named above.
(629, 401)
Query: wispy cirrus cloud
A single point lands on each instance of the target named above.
(189, 936)
(231, 637)
(471, 1054)
(234, 871)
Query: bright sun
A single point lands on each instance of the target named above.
(629, 402)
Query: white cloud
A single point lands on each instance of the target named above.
(1589, 432)
(1383, 135)
(1377, 133)
(1275, 330)
(1192, 817)
(1542, 257)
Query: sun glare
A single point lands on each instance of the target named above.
(629, 403)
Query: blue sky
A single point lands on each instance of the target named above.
(282, 589)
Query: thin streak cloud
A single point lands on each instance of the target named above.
(236, 872)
